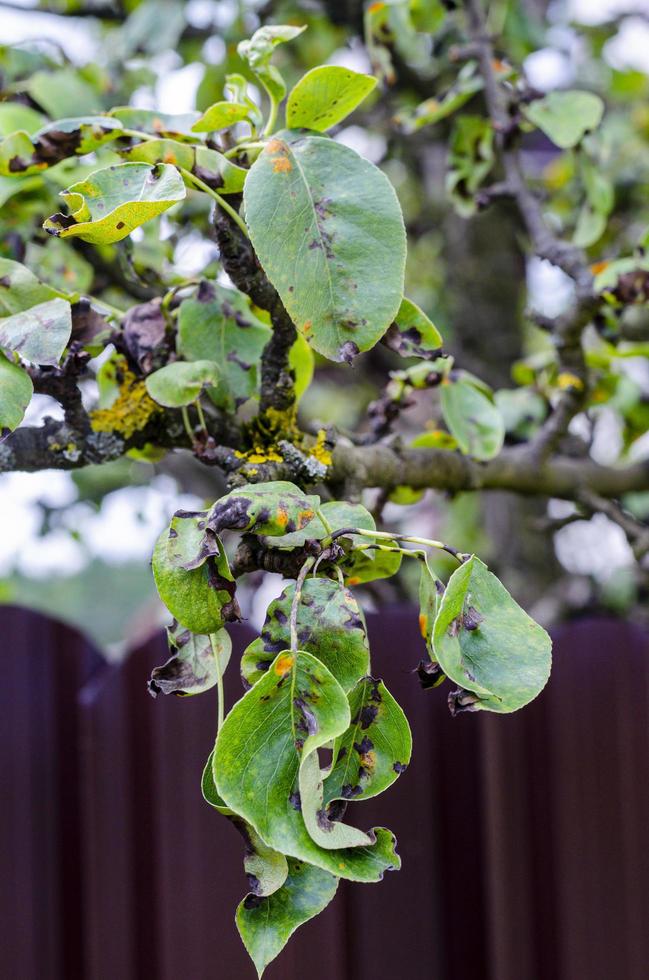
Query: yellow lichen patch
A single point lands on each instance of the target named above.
(320, 451)
(568, 380)
(284, 664)
(130, 412)
(259, 455)
(423, 625)
(282, 165)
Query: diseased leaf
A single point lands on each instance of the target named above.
(471, 158)
(324, 96)
(258, 51)
(295, 708)
(195, 665)
(338, 514)
(372, 563)
(374, 750)
(265, 868)
(20, 289)
(566, 117)
(218, 325)
(269, 508)
(39, 334)
(266, 926)
(16, 390)
(16, 116)
(487, 644)
(209, 165)
(55, 142)
(472, 418)
(330, 627)
(177, 126)
(431, 591)
(434, 110)
(201, 599)
(327, 228)
(220, 116)
(110, 203)
(412, 334)
(189, 545)
(181, 382)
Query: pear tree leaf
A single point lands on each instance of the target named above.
(39, 334)
(431, 591)
(413, 334)
(433, 110)
(194, 666)
(16, 116)
(181, 382)
(266, 926)
(296, 707)
(110, 203)
(325, 96)
(327, 228)
(201, 599)
(265, 868)
(271, 508)
(258, 51)
(301, 360)
(20, 289)
(55, 142)
(220, 116)
(374, 750)
(16, 390)
(330, 627)
(338, 514)
(212, 167)
(176, 126)
(487, 644)
(218, 325)
(189, 545)
(566, 116)
(472, 418)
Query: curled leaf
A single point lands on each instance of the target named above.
(195, 665)
(269, 508)
(413, 334)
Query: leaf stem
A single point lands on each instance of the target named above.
(187, 423)
(394, 536)
(272, 115)
(201, 185)
(304, 571)
(243, 148)
(201, 416)
(219, 684)
(325, 523)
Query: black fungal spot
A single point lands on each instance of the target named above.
(232, 514)
(348, 351)
(366, 745)
(399, 767)
(307, 722)
(295, 800)
(472, 619)
(119, 225)
(252, 902)
(349, 792)
(430, 674)
(460, 700)
(368, 715)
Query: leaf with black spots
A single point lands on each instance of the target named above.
(196, 663)
(330, 626)
(413, 334)
(270, 508)
(189, 544)
(40, 334)
(295, 708)
(212, 167)
(338, 514)
(21, 154)
(487, 644)
(374, 750)
(325, 95)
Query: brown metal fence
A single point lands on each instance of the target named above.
(523, 838)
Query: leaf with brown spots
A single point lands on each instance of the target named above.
(325, 95)
(196, 663)
(268, 508)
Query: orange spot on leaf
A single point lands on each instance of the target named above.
(282, 165)
(284, 664)
(598, 267)
(423, 624)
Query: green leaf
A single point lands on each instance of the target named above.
(110, 203)
(201, 599)
(295, 708)
(591, 225)
(181, 382)
(327, 228)
(189, 544)
(195, 665)
(266, 926)
(20, 289)
(338, 514)
(39, 334)
(433, 110)
(472, 419)
(259, 50)
(370, 564)
(16, 390)
(413, 334)
(471, 158)
(566, 117)
(324, 96)
(431, 591)
(487, 644)
(269, 508)
(177, 126)
(218, 325)
(330, 627)
(301, 360)
(374, 750)
(209, 165)
(16, 115)
(265, 868)
(220, 116)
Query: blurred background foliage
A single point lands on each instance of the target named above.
(78, 545)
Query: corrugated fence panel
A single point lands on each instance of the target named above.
(522, 837)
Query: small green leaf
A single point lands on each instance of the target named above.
(259, 50)
(301, 360)
(16, 115)
(433, 110)
(269, 508)
(266, 926)
(413, 334)
(473, 419)
(16, 390)
(265, 868)
(330, 627)
(218, 325)
(327, 228)
(566, 117)
(209, 165)
(110, 203)
(20, 289)
(295, 708)
(201, 599)
(195, 666)
(39, 334)
(487, 644)
(471, 158)
(220, 116)
(324, 96)
(591, 225)
(374, 750)
(181, 382)
(431, 591)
